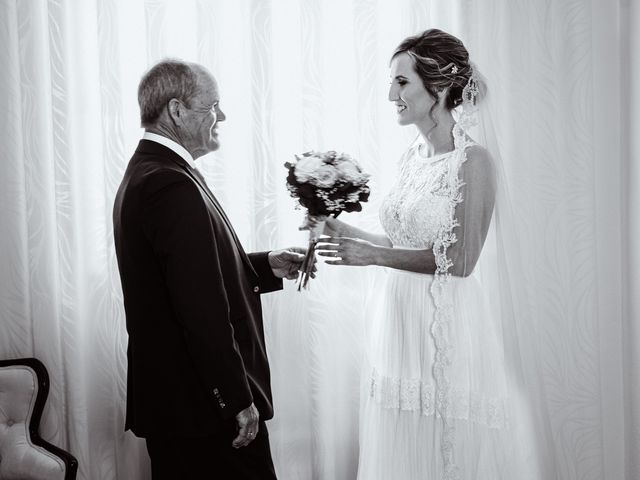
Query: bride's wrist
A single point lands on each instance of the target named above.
(335, 227)
(377, 254)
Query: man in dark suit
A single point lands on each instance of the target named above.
(198, 386)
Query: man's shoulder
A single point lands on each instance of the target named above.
(151, 156)
(153, 165)
(150, 173)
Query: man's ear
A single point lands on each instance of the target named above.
(175, 110)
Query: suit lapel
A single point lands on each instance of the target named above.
(161, 150)
(197, 176)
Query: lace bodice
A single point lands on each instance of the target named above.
(418, 206)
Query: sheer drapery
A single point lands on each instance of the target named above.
(630, 14)
(301, 74)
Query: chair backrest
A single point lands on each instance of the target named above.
(24, 386)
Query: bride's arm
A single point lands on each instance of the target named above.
(337, 228)
(473, 215)
(359, 252)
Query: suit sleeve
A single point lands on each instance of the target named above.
(267, 281)
(178, 225)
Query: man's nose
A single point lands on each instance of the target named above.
(221, 116)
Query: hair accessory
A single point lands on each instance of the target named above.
(468, 116)
(454, 69)
(471, 91)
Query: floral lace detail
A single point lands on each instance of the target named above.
(442, 319)
(413, 211)
(412, 394)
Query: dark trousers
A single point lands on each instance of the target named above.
(211, 457)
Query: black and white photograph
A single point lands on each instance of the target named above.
(319, 239)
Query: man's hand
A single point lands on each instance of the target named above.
(287, 262)
(247, 426)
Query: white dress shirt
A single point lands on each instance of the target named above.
(170, 144)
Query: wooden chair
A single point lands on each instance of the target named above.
(24, 386)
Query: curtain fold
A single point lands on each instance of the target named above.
(296, 75)
(630, 126)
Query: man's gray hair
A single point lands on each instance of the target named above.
(164, 81)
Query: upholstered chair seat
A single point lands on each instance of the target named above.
(24, 386)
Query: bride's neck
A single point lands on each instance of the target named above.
(439, 139)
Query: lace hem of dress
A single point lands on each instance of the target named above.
(415, 395)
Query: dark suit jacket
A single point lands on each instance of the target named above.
(192, 301)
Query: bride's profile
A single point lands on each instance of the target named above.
(438, 393)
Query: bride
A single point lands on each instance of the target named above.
(438, 401)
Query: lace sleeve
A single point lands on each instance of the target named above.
(473, 213)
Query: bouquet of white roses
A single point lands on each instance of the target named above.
(325, 183)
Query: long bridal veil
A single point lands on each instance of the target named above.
(500, 272)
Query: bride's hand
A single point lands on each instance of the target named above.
(348, 251)
(327, 225)
(313, 222)
(332, 227)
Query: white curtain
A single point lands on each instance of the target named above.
(296, 75)
(629, 133)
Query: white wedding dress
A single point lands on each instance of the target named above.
(435, 401)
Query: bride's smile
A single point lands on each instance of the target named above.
(413, 101)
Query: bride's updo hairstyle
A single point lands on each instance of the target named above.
(441, 60)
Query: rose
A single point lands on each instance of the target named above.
(325, 176)
(305, 168)
(350, 172)
(328, 157)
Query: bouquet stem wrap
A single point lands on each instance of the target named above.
(315, 232)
